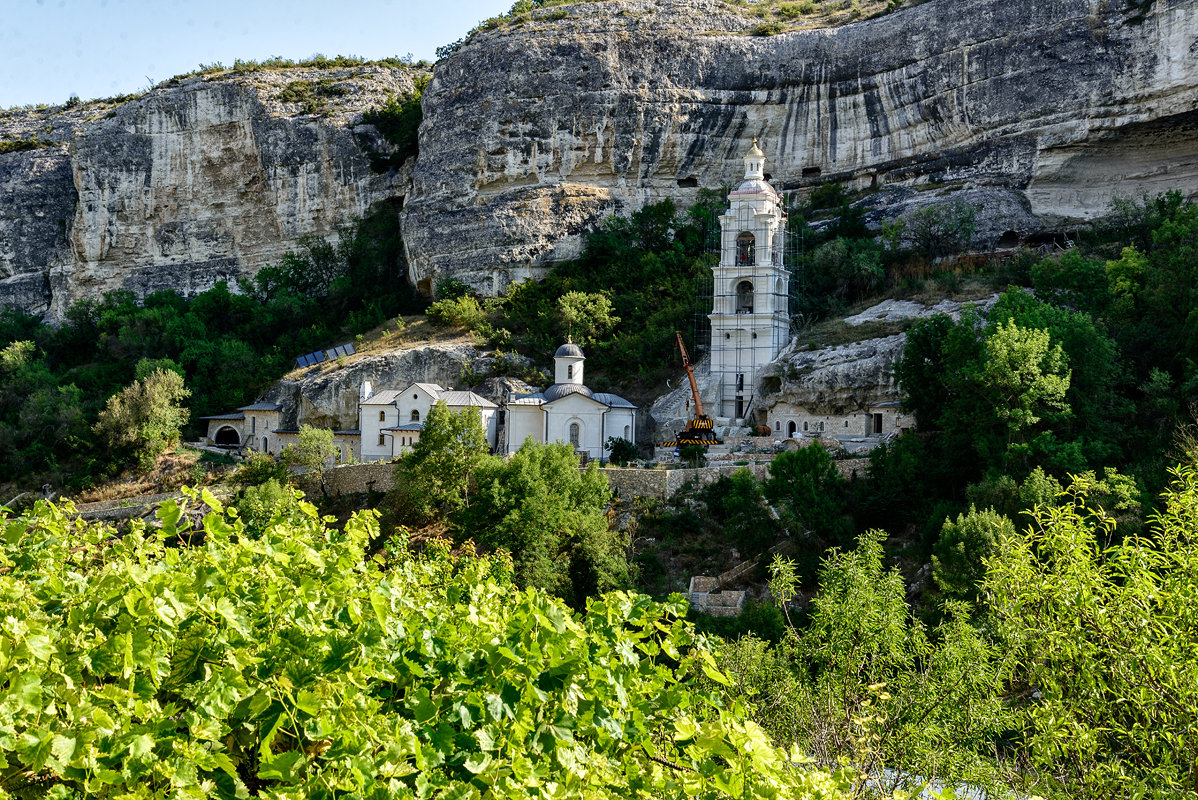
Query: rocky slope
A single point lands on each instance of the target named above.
(1040, 111)
(327, 396)
(198, 180)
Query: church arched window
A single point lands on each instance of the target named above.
(415, 415)
(746, 248)
(382, 416)
(744, 297)
(575, 434)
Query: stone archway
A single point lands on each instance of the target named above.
(227, 436)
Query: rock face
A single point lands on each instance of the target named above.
(328, 398)
(1042, 111)
(205, 180)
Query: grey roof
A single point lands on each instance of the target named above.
(613, 400)
(261, 407)
(463, 398)
(410, 426)
(532, 399)
(886, 404)
(354, 432)
(569, 349)
(431, 388)
(237, 416)
(383, 398)
(559, 390)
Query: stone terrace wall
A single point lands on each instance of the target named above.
(350, 479)
(662, 484)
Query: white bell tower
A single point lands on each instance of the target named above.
(750, 318)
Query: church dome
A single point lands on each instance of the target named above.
(569, 350)
(560, 390)
(755, 187)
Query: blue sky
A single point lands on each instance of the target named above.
(50, 49)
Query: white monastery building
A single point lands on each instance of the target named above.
(391, 421)
(750, 316)
(570, 412)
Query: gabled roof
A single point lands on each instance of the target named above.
(458, 399)
(384, 398)
(229, 417)
(427, 388)
(410, 426)
(261, 407)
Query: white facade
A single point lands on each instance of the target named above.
(569, 412)
(750, 316)
(391, 420)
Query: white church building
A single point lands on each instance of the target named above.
(750, 316)
(570, 412)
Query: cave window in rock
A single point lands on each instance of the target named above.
(1008, 241)
(746, 248)
(744, 297)
(227, 437)
(575, 435)
(415, 415)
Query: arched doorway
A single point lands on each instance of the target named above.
(791, 428)
(227, 436)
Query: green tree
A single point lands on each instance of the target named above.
(1106, 637)
(143, 420)
(434, 478)
(586, 316)
(808, 488)
(940, 230)
(738, 504)
(865, 683)
(549, 515)
(313, 451)
(959, 556)
(621, 451)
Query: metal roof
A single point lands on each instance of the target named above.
(755, 187)
(453, 399)
(430, 388)
(559, 390)
(225, 417)
(384, 398)
(613, 400)
(261, 407)
(569, 349)
(534, 399)
(410, 426)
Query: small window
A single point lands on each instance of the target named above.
(382, 416)
(569, 372)
(265, 446)
(382, 439)
(575, 434)
(415, 415)
(804, 426)
(627, 433)
(740, 382)
(413, 397)
(253, 424)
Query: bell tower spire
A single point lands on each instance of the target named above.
(750, 317)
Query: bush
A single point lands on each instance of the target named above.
(621, 451)
(459, 312)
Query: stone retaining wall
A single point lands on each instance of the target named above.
(662, 484)
(350, 479)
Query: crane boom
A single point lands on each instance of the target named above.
(690, 373)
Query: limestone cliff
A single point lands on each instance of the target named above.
(198, 180)
(1040, 110)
